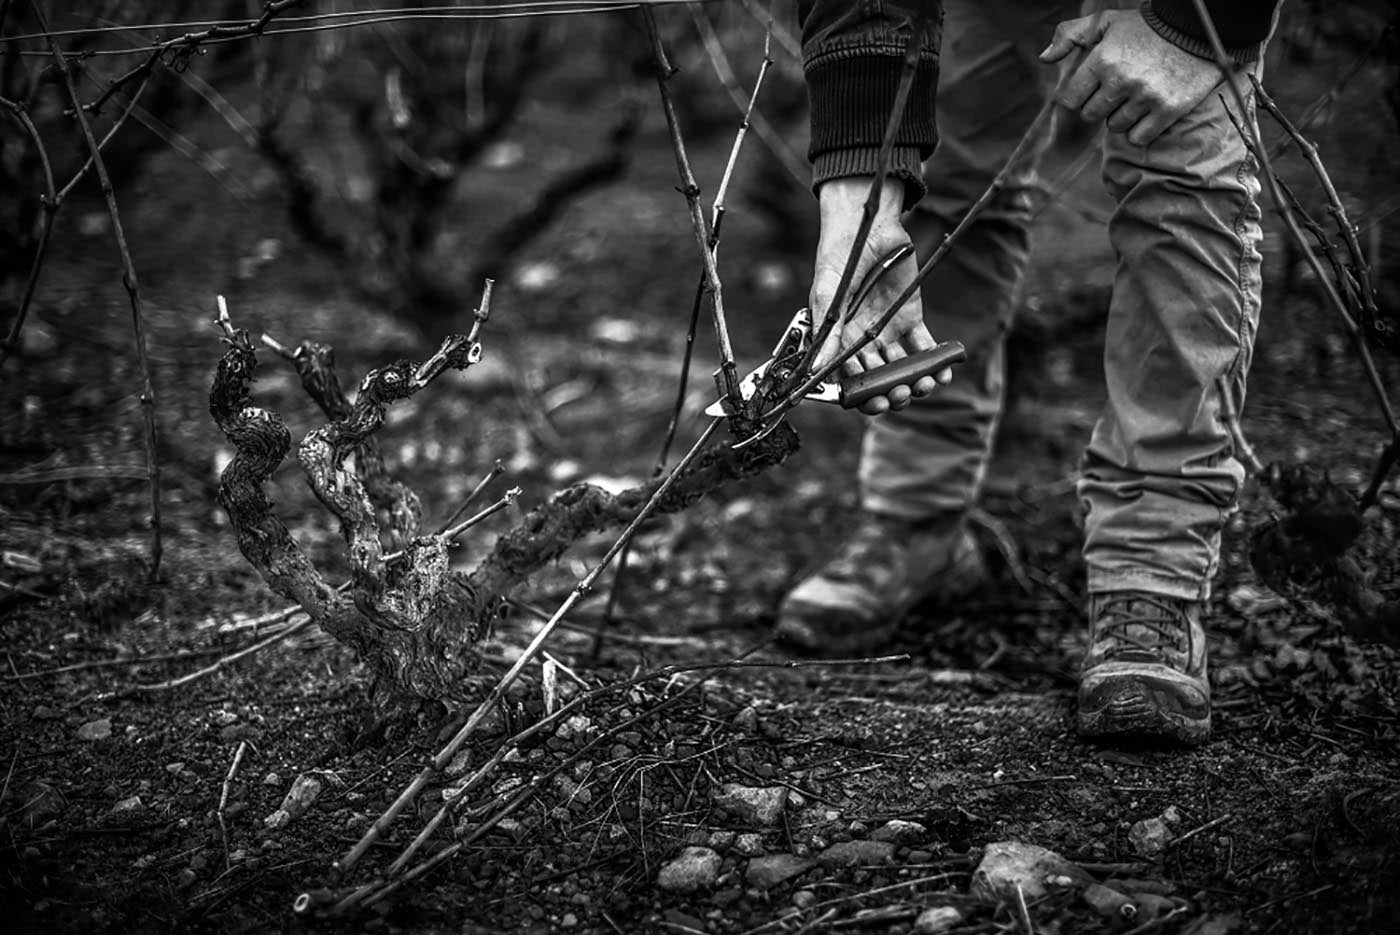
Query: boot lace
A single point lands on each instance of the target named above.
(1142, 622)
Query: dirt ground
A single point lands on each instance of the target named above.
(123, 811)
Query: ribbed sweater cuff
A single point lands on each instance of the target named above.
(905, 165)
(1177, 22)
(852, 94)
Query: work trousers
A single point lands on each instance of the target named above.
(1159, 477)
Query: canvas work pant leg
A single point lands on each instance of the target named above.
(929, 459)
(1159, 477)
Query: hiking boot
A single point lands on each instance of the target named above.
(1144, 675)
(856, 601)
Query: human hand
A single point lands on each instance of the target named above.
(842, 201)
(1133, 79)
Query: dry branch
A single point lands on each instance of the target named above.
(133, 292)
(729, 375)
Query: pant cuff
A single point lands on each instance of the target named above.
(1105, 580)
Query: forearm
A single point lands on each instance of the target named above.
(853, 59)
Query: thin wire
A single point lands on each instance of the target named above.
(520, 9)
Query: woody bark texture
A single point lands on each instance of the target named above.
(412, 620)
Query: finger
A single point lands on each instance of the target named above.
(1078, 88)
(1084, 32)
(870, 358)
(919, 339)
(875, 406)
(1126, 116)
(899, 397)
(1104, 101)
(924, 386)
(1146, 130)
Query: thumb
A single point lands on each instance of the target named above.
(1084, 32)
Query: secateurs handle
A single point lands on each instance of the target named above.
(866, 386)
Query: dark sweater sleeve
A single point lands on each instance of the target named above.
(853, 57)
(1243, 26)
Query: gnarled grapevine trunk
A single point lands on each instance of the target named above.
(408, 616)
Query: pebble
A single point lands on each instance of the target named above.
(305, 788)
(128, 806)
(920, 857)
(695, 869)
(937, 919)
(175, 768)
(719, 840)
(747, 720)
(1149, 837)
(1109, 902)
(569, 920)
(769, 871)
(574, 726)
(853, 853)
(44, 713)
(757, 806)
(1006, 865)
(804, 899)
(898, 831)
(749, 844)
(1151, 906)
(272, 779)
(96, 730)
(681, 923)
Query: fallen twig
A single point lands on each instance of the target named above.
(223, 798)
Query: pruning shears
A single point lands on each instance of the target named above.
(851, 392)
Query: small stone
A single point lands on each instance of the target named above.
(1109, 902)
(1149, 837)
(695, 869)
(459, 763)
(756, 806)
(747, 720)
(512, 828)
(856, 853)
(1007, 865)
(128, 806)
(767, 872)
(936, 920)
(234, 733)
(920, 857)
(749, 844)
(804, 899)
(272, 779)
(683, 924)
(1151, 906)
(569, 920)
(96, 730)
(44, 713)
(175, 768)
(727, 896)
(718, 840)
(898, 831)
(304, 791)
